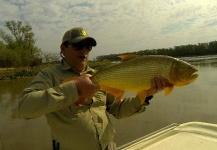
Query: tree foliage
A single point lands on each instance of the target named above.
(178, 51)
(19, 44)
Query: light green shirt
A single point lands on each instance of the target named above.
(82, 127)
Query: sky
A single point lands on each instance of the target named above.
(118, 26)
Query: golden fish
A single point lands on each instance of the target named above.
(135, 75)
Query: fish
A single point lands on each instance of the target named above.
(134, 74)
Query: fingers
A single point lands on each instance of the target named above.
(162, 82)
(86, 78)
(86, 88)
(87, 75)
(157, 85)
(165, 82)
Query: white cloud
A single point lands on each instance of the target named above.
(118, 26)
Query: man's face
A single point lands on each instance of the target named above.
(76, 55)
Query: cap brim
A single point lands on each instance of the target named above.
(79, 39)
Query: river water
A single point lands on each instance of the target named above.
(194, 102)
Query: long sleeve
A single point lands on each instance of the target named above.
(126, 108)
(46, 94)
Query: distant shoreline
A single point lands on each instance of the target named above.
(23, 72)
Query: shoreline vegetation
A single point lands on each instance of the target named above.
(18, 73)
(23, 72)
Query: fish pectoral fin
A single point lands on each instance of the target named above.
(69, 79)
(113, 91)
(168, 90)
(142, 95)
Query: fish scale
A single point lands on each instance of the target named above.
(135, 74)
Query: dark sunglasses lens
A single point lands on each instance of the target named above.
(80, 46)
(89, 48)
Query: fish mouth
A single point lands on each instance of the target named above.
(194, 75)
(189, 80)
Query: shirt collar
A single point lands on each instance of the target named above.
(66, 66)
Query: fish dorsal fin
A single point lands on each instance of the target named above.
(127, 57)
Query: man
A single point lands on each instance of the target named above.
(84, 126)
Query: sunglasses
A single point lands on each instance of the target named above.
(80, 46)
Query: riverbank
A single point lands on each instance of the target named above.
(17, 73)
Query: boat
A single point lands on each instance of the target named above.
(189, 135)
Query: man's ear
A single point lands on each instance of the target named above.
(62, 48)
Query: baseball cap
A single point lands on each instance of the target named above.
(76, 35)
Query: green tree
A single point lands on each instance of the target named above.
(9, 58)
(21, 40)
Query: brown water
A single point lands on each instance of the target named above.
(195, 102)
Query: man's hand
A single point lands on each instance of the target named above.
(157, 85)
(86, 88)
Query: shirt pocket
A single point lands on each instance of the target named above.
(99, 98)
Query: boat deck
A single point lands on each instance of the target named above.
(191, 136)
